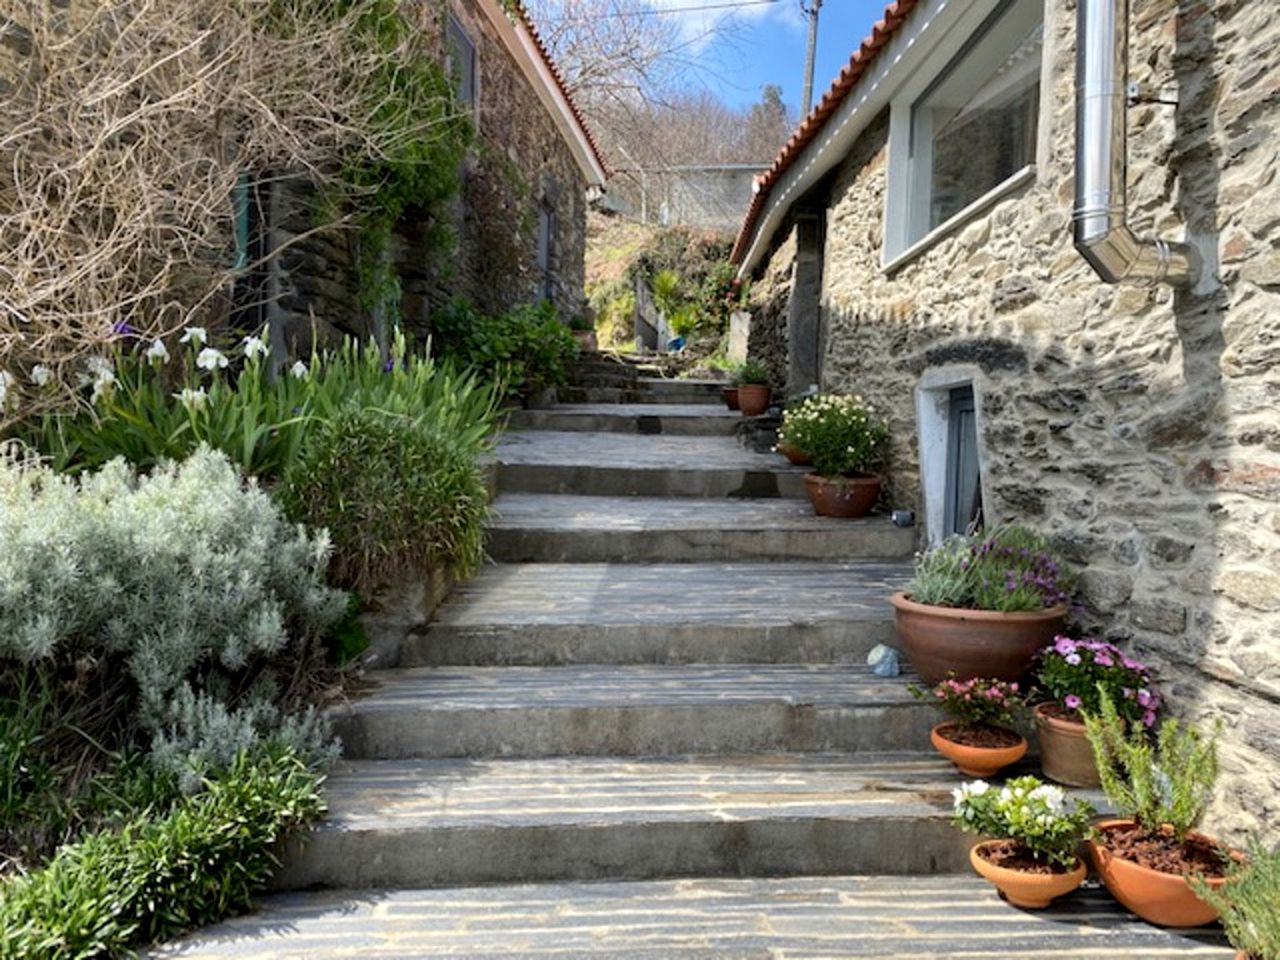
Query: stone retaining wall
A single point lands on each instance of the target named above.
(1139, 426)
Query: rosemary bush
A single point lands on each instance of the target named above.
(1249, 901)
(1033, 813)
(1008, 569)
(1169, 781)
(842, 434)
(398, 497)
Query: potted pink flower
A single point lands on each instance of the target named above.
(1076, 675)
(978, 738)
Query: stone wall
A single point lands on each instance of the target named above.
(769, 304)
(518, 164)
(1138, 426)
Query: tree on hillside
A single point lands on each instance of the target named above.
(768, 125)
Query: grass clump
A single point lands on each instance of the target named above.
(157, 876)
(396, 496)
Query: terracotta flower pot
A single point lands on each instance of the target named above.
(1034, 891)
(1065, 753)
(730, 397)
(797, 457)
(753, 399)
(976, 761)
(1165, 899)
(843, 497)
(972, 643)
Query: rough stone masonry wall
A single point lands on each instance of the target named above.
(519, 161)
(1139, 426)
(769, 304)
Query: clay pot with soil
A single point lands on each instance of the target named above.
(1022, 880)
(978, 737)
(847, 498)
(730, 397)
(795, 456)
(753, 399)
(1065, 754)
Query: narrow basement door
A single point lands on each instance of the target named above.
(964, 480)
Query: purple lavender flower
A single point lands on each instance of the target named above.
(389, 365)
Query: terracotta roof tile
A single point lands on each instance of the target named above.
(894, 16)
(532, 28)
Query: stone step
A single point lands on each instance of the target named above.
(679, 391)
(679, 419)
(559, 528)
(614, 393)
(797, 918)
(635, 711)
(564, 613)
(619, 465)
(438, 822)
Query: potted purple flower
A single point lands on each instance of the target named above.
(983, 605)
(1076, 675)
(978, 736)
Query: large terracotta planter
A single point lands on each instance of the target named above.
(730, 397)
(972, 643)
(1165, 899)
(1065, 753)
(843, 497)
(753, 399)
(795, 457)
(1034, 891)
(976, 761)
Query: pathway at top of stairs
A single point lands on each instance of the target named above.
(655, 707)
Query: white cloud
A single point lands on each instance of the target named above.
(700, 28)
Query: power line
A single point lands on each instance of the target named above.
(663, 11)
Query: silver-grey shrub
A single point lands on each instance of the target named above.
(188, 582)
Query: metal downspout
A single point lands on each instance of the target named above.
(1102, 233)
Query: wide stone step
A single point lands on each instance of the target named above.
(431, 823)
(797, 918)
(565, 613)
(680, 391)
(618, 465)
(679, 419)
(561, 528)
(632, 711)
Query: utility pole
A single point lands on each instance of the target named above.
(810, 10)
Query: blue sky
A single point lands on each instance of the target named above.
(764, 42)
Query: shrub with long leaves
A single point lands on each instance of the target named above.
(1249, 901)
(1009, 568)
(1168, 781)
(158, 876)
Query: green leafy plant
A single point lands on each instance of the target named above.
(397, 497)
(1249, 901)
(158, 876)
(184, 604)
(1034, 814)
(974, 702)
(1166, 782)
(751, 372)
(665, 287)
(842, 434)
(580, 324)
(525, 350)
(1009, 568)
(1079, 673)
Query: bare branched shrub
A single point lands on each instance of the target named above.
(125, 127)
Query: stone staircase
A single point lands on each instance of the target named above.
(648, 731)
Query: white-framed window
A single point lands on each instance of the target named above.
(965, 130)
(461, 61)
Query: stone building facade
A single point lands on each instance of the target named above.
(518, 223)
(1139, 426)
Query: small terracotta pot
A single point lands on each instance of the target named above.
(972, 643)
(843, 497)
(797, 457)
(586, 340)
(1165, 899)
(753, 399)
(730, 397)
(1035, 891)
(976, 761)
(1065, 753)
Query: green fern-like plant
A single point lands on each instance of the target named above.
(1168, 781)
(1249, 901)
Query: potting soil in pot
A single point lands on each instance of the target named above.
(1012, 855)
(986, 737)
(1163, 853)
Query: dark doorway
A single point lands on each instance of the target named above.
(964, 479)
